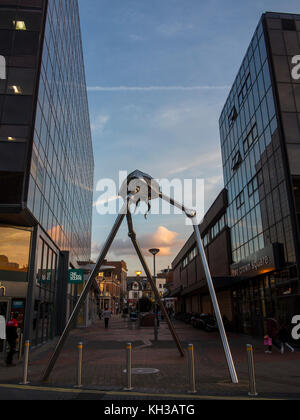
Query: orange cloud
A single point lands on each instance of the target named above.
(166, 240)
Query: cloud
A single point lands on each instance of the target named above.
(99, 123)
(101, 201)
(166, 240)
(154, 88)
(212, 159)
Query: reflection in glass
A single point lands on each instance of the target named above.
(14, 253)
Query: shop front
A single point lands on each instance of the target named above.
(15, 243)
(260, 291)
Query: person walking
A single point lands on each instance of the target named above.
(107, 316)
(272, 332)
(12, 337)
(283, 337)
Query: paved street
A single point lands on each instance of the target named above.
(278, 376)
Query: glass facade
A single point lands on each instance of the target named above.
(258, 212)
(260, 137)
(46, 159)
(20, 37)
(61, 178)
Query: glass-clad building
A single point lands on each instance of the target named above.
(260, 138)
(46, 163)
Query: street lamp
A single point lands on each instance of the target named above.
(154, 252)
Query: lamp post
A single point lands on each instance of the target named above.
(154, 252)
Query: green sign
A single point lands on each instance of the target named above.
(76, 276)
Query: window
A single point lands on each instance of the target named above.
(193, 254)
(185, 262)
(250, 139)
(15, 133)
(236, 161)
(20, 81)
(19, 25)
(240, 200)
(232, 116)
(14, 253)
(244, 90)
(254, 184)
(206, 239)
(222, 222)
(288, 25)
(215, 230)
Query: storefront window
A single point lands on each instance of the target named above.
(14, 253)
(43, 323)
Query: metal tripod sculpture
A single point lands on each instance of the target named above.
(141, 187)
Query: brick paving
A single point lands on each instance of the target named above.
(105, 360)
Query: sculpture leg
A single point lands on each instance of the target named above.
(138, 250)
(85, 292)
(228, 354)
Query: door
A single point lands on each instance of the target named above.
(4, 311)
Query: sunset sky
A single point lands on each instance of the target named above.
(158, 74)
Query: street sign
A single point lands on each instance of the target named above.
(76, 276)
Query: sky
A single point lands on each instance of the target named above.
(158, 74)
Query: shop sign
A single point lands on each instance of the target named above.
(76, 277)
(260, 263)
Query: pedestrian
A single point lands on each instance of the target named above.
(12, 338)
(268, 344)
(107, 316)
(283, 337)
(272, 332)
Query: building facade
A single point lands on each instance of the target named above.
(112, 282)
(189, 285)
(260, 140)
(46, 162)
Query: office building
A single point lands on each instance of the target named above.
(260, 140)
(46, 163)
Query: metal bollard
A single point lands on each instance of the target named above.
(20, 346)
(251, 368)
(192, 376)
(26, 362)
(129, 367)
(79, 366)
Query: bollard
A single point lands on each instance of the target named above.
(20, 346)
(26, 362)
(79, 366)
(251, 368)
(129, 367)
(192, 376)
